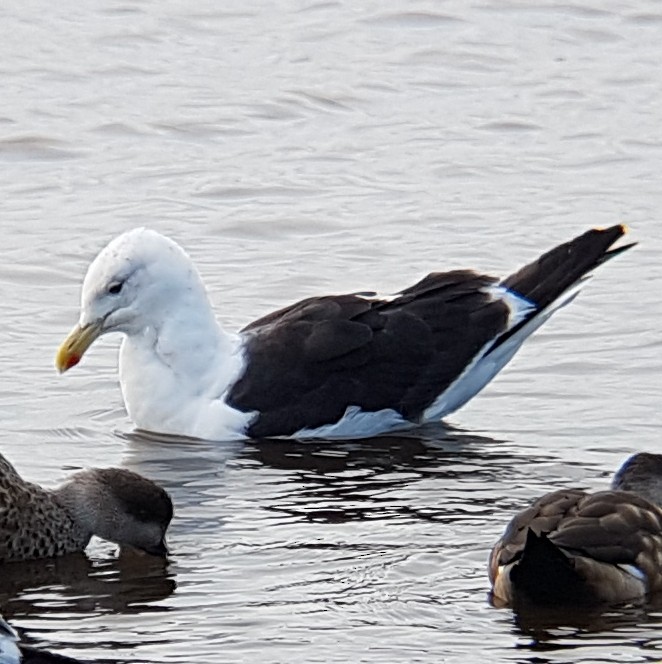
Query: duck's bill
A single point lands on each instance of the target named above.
(74, 346)
(160, 550)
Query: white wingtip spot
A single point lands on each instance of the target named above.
(519, 306)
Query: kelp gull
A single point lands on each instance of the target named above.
(335, 366)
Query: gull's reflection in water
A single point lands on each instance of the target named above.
(323, 480)
(170, 456)
(376, 478)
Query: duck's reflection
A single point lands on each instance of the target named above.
(130, 583)
(548, 629)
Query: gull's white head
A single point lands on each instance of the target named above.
(132, 285)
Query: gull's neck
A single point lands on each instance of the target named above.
(176, 370)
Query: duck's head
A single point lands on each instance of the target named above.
(120, 506)
(641, 474)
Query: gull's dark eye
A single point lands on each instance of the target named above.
(115, 287)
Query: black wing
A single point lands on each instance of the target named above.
(310, 361)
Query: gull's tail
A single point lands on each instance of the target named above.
(546, 278)
(553, 280)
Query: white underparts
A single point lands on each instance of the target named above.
(183, 393)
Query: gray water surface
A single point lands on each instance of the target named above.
(301, 148)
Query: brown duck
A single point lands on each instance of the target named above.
(115, 504)
(574, 547)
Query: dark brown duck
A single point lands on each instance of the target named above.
(112, 503)
(574, 547)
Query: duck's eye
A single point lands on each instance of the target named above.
(115, 287)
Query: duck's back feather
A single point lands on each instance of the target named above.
(601, 547)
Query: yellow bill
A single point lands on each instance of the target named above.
(74, 346)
